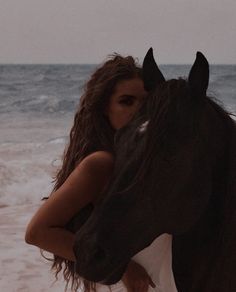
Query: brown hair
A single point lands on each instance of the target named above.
(91, 132)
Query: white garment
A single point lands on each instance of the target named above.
(156, 259)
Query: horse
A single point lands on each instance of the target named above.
(175, 173)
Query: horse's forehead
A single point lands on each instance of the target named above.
(143, 127)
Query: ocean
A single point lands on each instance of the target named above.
(37, 106)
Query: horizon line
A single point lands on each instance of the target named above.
(95, 64)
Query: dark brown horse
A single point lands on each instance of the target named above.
(174, 174)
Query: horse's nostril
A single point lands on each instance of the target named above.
(99, 254)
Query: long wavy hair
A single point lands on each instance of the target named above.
(91, 132)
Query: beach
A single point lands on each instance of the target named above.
(37, 106)
(28, 160)
(22, 268)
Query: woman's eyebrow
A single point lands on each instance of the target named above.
(127, 95)
(141, 98)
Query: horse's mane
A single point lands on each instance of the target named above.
(169, 97)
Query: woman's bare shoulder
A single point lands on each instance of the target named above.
(100, 156)
(84, 185)
(98, 159)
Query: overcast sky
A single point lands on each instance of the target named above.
(86, 31)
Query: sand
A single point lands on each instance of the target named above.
(28, 149)
(22, 268)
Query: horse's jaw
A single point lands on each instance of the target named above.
(115, 276)
(106, 275)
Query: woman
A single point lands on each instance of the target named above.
(112, 96)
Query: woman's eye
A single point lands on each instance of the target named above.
(127, 101)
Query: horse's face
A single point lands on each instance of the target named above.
(162, 175)
(103, 247)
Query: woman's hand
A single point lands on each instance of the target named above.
(136, 279)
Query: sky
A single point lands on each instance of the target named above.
(86, 31)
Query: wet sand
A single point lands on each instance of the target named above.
(22, 268)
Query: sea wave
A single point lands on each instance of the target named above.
(37, 105)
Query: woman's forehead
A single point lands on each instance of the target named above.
(130, 87)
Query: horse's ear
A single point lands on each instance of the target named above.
(152, 76)
(198, 78)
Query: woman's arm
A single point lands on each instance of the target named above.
(84, 185)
